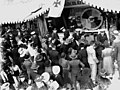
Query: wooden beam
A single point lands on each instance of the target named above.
(76, 6)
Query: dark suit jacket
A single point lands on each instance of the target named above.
(66, 34)
(76, 36)
(59, 79)
(82, 55)
(99, 52)
(55, 36)
(102, 38)
(54, 56)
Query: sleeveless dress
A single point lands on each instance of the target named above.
(107, 60)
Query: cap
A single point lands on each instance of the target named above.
(32, 33)
(46, 76)
(77, 29)
(115, 32)
(5, 86)
(38, 57)
(56, 70)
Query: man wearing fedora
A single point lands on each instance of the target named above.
(76, 34)
(66, 33)
(55, 34)
(35, 39)
(102, 37)
(54, 55)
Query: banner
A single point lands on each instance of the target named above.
(57, 8)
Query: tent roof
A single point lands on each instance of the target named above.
(108, 5)
(14, 11)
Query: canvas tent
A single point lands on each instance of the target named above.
(107, 5)
(14, 11)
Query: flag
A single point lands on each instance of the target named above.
(56, 8)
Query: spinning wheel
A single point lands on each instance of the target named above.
(91, 18)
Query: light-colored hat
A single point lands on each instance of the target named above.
(77, 29)
(5, 86)
(70, 17)
(22, 52)
(56, 70)
(46, 77)
(32, 33)
(115, 32)
(54, 85)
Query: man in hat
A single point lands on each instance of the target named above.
(66, 33)
(35, 39)
(40, 62)
(102, 37)
(55, 34)
(54, 55)
(77, 34)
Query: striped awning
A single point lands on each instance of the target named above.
(15, 11)
(107, 5)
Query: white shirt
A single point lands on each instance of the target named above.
(31, 51)
(91, 55)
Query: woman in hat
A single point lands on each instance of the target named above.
(107, 59)
(56, 76)
(41, 63)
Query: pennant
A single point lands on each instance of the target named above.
(56, 9)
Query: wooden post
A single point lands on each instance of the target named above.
(64, 21)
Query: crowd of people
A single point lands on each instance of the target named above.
(30, 63)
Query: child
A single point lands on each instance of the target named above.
(85, 80)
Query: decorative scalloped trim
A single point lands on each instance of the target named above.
(102, 8)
